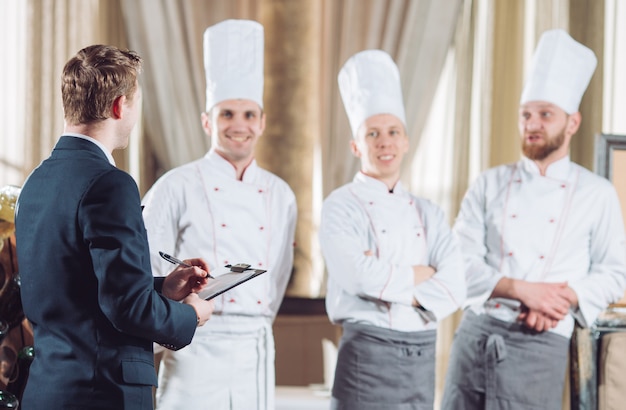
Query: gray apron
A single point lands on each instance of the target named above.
(381, 369)
(501, 365)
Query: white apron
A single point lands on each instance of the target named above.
(229, 367)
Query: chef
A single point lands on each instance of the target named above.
(229, 210)
(543, 240)
(394, 267)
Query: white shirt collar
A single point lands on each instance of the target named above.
(558, 169)
(376, 184)
(226, 168)
(98, 143)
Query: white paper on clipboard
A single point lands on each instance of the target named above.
(226, 281)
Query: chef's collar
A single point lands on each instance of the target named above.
(557, 170)
(225, 168)
(376, 184)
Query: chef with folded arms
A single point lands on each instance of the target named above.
(394, 267)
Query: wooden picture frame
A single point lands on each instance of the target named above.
(610, 162)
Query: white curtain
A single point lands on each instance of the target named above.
(614, 120)
(417, 34)
(168, 35)
(443, 49)
(12, 83)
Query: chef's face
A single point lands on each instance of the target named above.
(235, 127)
(546, 130)
(381, 143)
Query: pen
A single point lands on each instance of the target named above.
(176, 261)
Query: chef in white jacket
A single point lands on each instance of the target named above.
(227, 209)
(394, 267)
(544, 244)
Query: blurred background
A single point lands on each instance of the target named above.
(462, 65)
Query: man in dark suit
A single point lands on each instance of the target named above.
(87, 286)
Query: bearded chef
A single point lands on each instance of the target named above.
(229, 210)
(394, 267)
(544, 245)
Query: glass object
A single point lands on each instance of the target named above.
(4, 329)
(8, 199)
(26, 353)
(8, 400)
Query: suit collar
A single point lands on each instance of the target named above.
(70, 141)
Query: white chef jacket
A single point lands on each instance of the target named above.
(400, 230)
(565, 226)
(201, 210)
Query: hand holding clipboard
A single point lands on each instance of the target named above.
(221, 283)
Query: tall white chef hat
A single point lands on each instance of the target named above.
(560, 72)
(233, 62)
(369, 83)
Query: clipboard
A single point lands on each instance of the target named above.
(238, 274)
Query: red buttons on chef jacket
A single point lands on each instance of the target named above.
(260, 264)
(514, 216)
(258, 302)
(563, 185)
(223, 225)
(541, 256)
(552, 220)
(261, 228)
(510, 253)
(260, 191)
(216, 189)
(225, 262)
(232, 300)
(518, 181)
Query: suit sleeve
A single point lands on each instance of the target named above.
(113, 229)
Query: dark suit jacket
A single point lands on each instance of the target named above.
(87, 286)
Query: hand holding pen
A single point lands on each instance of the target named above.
(186, 279)
(177, 261)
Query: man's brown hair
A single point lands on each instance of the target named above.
(94, 78)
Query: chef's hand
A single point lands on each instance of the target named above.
(549, 299)
(535, 320)
(422, 273)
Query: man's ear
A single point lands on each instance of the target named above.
(573, 123)
(262, 122)
(118, 107)
(355, 148)
(205, 119)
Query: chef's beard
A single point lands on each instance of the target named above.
(540, 152)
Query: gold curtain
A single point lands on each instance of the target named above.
(58, 29)
(308, 100)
